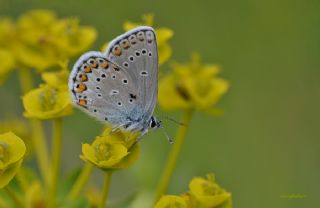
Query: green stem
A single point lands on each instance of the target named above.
(38, 137)
(56, 159)
(40, 147)
(105, 191)
(81, 181)
(23, 181)
(25, 78)
(14, 197)
(173, 155)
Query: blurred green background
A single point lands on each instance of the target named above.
(267, 143)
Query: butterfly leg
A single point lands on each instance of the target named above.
(143, 132)
(114, 129)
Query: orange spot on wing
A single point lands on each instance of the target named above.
(104, 64)
(117, 51)
(82, 102)
(83, 77)
(86, 68)
(81, 87)
(93, 63)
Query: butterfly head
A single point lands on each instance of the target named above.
(154, 123)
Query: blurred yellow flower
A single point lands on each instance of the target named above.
(7, 64)
(207, 193)
(164, 34)
(192, 86)
(20, 128)
(57, 79)
(72, 38)
(44, 40)
(7, 33)
(171, 201)
(12, 150)
(46, 102)
(111, 151)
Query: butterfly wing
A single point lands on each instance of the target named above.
(102, 88)
(136, 52)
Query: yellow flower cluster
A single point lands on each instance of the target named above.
(192, 86)
(39, 40)
(112, 150)
(164, 34)
(203, 193)
(12, 150)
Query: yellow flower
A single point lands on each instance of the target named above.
(163, 36)
(20, 128)
(171, 201)
(192, 86)
(207, 193)
(111, 151)
(72, 38)
(12, 150)
(7, 63)
(44, 40)
(46, 102)
(128, 139)
(57, 79)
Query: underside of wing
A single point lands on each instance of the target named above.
(136, 52)
(102, 88)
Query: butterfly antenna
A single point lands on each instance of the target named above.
(170, 140)
(174, 121)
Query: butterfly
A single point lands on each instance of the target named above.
(120, 86)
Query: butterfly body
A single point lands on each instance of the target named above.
(120, 86)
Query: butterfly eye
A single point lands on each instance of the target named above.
(132, 39)
(117, 50)
(140, 36)
(125, 44)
